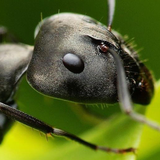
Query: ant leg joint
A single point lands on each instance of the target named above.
(128, 112)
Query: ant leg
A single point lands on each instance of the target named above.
(5, 122)
(41, 126)
(124, 96)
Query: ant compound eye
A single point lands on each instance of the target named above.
(103, 48)
(73, 63)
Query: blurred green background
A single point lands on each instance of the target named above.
(139, 19)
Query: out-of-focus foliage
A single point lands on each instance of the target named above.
(119, 132)
(139, 20)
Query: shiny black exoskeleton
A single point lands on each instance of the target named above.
(75, 58)
(97, 82)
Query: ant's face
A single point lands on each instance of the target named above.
(67, 62)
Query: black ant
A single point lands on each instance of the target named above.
(78, 59)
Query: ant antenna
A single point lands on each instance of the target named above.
(111, 8)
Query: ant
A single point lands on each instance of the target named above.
(78, 59)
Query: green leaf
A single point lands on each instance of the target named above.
(150, 141)
(119, 131)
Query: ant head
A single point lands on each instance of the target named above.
(68, 60)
